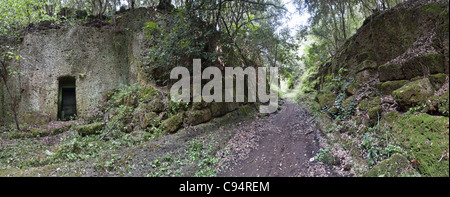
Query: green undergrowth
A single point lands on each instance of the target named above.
(108, 140)
(353, 119)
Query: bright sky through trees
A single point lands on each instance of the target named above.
(293, 19)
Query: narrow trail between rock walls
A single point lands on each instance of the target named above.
(280, 145)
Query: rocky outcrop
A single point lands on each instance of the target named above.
(89, 129)
(99, 58)
(399, 61)
(173, 123)
(413, 93)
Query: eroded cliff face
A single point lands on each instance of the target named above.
(394, 37)
(99, 58)
(96, 58)
(391, 79)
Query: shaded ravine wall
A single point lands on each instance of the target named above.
(100, 59)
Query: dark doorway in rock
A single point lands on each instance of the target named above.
(67, 102)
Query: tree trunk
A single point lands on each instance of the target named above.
(13, 103)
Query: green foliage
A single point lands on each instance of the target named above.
(324, 156)
(176, 40)
(175, 107)
(17, 14)
(345, 107)
(371, 151)
(202, 154)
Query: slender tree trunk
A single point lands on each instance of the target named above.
(11, 96)
(343, 25)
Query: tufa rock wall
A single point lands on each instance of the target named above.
(100, 58)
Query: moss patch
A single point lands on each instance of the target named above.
(388, 87)
(197, 116)
(426, 138)
(366, 64)
(148, 93)
(173, 123)
(364, 105)
(147, 119)
(352, 89)
(221, 108)
(368, 55)
(247, 110)
(414, 93)
(437, 80)
(396, 166)
(434, 8)
(90, 129)
(326, 99)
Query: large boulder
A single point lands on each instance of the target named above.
(90, 129)
(222, 108)
(390, 72)
(414, 93)
(173, 123)
(196, 117)
(326, 99)
(352, 89)
(421, 65)
(388, 87)
(437, 80)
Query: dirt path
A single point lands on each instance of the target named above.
(280, 145)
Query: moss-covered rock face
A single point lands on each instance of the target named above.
(90, 129)
(394, 47)
(148, 94)
(426, 138)
(365, 56)
(366, 75)
(437, 80)
(421, 65)
(326, 99)
(396, 166)
(366, 64)
(364, 105)
(413, 93)
(388, 87)
(390, 72)
(197, 116)
(200, 105)
(173, 123)
(352, 89)
(221, 108)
